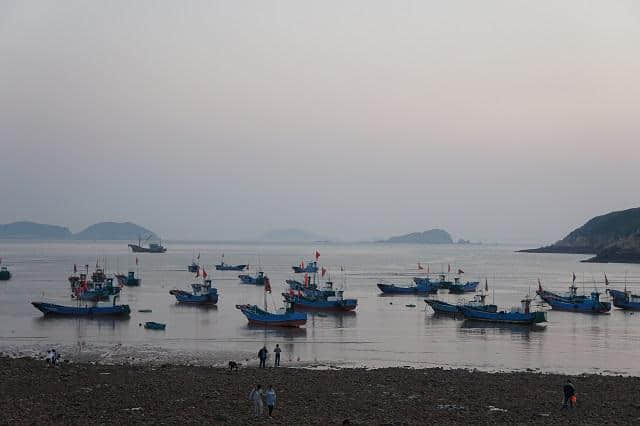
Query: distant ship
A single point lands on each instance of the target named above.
(153, 247)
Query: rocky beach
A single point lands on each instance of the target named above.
(89, 393)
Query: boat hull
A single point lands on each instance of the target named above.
(138, 249)
(79, 311)
(504, 317)
(303, 304)
(442, 307)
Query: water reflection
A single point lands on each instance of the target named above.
(500, 328)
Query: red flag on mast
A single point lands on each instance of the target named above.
(267, 284)
(317, 255)
(204, 273)
(324, 271)
(449, 268)
(302, 264)
(306, 279)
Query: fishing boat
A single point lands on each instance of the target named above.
(572, 302)
(226, 267)
(99, 288)
(83, 311)
(257, 280)
(423, 286)
(516, 315)
(151, 325)
(457, 287)
(440, 284)
(625, 300)
(129, 280)
(310, 287)
(478, 302)
(201, 294)
(310, 268)
(5, 275)
(326, 299)
(283, 317)
(152, 248)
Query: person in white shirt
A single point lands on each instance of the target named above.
(271, 399)
(256, 397)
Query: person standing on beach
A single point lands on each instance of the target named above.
(271, 399)
(569, 395)
(262, 356)
(256, 398)
(277, 351)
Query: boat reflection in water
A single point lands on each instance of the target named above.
(502, 328)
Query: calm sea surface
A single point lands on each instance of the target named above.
(382, 332)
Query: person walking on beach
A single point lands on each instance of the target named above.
(271, 399)
(569, 396)
(256, 399)
(277, 351)
(262, 356)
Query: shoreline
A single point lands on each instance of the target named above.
(81, 393)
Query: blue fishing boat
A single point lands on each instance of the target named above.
(255, 280)
(573, 302)
(130, 280)
(201, 294)
(517, 315)
(440, 284)
(424, 286)
(5, 275)
(83, 311)
(151, 325)
(310, 268)
(478, 302)
(283, 317)
(625, 300)
(226, 267)
(459, 288)
(312, 289)
(325, 299)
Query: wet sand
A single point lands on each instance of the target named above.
(169, 394)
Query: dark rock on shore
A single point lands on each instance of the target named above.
(613, 237)
(89, 394)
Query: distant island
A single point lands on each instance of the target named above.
(291, 235)
(99, 231)
(432, 236)
(613, 237)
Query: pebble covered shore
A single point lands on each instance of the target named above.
(32, 393)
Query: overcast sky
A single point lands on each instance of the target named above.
(509, 121)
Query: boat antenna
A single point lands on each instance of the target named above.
(494, 295)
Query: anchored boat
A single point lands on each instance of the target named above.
(201, 294)
(152, 248)
(99, 288)
(625, 300)
(82, 311)
(423, 286)
(283, 317)
(226, 267)
(517, 315)
(459, 288)
(325, 299)
(151, 325)
(572, 302)
(130, 280)
(257, 280)
(478, 302)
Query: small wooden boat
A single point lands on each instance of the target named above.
(257, 280)
(83, 311)
(129, 280)
(574, 302)
(5, 275)
(282, 318)
(310, 268)
(202, 294)
(625, 300)
(151, 325)
(517, 315)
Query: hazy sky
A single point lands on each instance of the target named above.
(498, 121)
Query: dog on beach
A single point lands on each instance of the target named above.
(233, 366)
